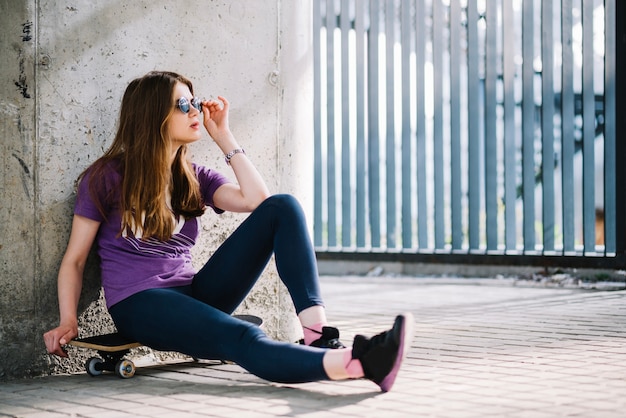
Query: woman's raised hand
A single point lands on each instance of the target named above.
(216, 117)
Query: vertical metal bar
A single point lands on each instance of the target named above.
(620, 128)
(528, 125)
(360, 125)
(420, 114)
(374, 129)
(407, 196)
(510, 166)
(547, 124)
(318, 221)
(346, 188)
(438, 48)
(567, 127)
(390, 29)
(455, 125)
(589, 207)
(609, 126)
(331, 19)
(473, 103)
(491, 147)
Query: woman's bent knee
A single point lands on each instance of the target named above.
(282, 205)
(283, 200)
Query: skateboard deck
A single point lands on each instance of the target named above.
(106, 342)
(113, 347)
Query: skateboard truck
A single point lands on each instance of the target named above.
(111, 362)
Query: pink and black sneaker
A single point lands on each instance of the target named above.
(382, 355)
(329, 338)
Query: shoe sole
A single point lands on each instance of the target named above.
(406, 336)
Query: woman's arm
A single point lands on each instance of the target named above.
(70, 283)
(251, 190)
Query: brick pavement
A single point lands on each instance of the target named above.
(482, 348)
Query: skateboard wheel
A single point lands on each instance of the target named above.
(93, 366)
(125, 369)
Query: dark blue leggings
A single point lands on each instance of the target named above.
(195, 320)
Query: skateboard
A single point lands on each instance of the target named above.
(113, 347)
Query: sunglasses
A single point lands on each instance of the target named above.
(184, 105)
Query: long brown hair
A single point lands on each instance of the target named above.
(142, 147)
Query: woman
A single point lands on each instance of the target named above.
(141, 201)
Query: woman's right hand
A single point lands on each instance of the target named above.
(70, 282)
(56, 338)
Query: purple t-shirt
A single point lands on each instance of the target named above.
(130, 265)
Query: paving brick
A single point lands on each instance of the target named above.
(481, 349)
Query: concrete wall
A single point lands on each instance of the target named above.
(64, 68)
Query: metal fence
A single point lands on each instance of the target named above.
(466, 127)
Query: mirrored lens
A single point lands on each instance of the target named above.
(183, 105)
(197, 103)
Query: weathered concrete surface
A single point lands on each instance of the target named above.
(63, 72)
(18, 288)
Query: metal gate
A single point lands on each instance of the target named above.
(464, 128)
